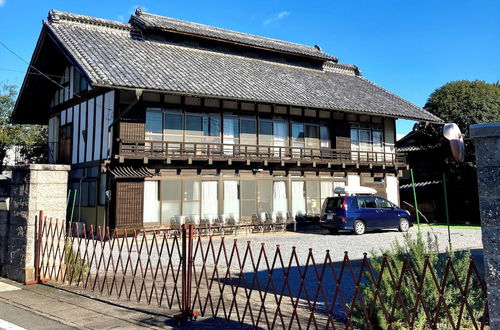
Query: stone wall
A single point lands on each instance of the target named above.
(4, 217)
(487, 143)
(34, 187)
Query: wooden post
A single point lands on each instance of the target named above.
(415, 200)
(446, 209)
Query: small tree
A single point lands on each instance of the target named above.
(32, 139)
(464, 103)
(417, 251)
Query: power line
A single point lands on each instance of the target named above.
(31, 66)
(47, 76)
(33, 73)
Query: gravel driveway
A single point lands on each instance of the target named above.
(321, 240)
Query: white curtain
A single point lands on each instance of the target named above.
(231, 201)
(279, 197)
(326, 190)
(151, 202)
(298, 200)
(209, 198)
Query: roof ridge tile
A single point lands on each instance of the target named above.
(56, 16)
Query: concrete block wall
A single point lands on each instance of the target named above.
(487, 144)
(34, 187)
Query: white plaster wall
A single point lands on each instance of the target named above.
(392, 189)
(353, 180)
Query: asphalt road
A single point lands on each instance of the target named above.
(25, 319)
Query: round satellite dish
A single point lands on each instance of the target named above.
(453, 134)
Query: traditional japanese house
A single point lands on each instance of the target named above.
(164, 120)
(429, 157)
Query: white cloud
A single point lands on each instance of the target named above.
(2, 3)
(399, 136)
(278, 17)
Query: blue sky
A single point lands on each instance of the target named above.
(408, 47)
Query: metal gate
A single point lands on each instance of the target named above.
(255, 285)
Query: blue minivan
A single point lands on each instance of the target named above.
(362, 213)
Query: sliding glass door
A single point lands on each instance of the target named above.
(297, 139)
(298, 198)
(266, 139)
(173, 130)
(209, 200)
(151, 202)
(378, 143)
(312, 140)
(280, 206)
(280, 138)
(154, 130)
(211, 134)
(248, 136)
(171, 200)
(231, 199)
(231, 135)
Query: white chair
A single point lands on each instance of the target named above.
(222, 222)
(281, 219)
(234, 220)
(272, 219)
(194, 219)
(180, 220)
(262, 219)
(290, 219)
(209, 220)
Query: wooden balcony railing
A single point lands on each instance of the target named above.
(133, 149)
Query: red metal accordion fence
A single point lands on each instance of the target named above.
(258, 286)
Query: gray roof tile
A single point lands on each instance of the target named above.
(156, 22)
(111, 56)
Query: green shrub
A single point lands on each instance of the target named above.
(76, 268)
(416, 251)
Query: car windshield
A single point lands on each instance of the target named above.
(334, 203)
(384, 204)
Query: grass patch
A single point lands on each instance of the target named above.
(454, 226)
(77, 269)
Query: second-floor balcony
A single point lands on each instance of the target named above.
(168, 151)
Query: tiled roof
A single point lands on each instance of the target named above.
(111, 55)
(156, 22)
(420, 184)
(420, 147)
(130, 172)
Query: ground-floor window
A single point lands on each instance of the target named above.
(151, 202)
(231, 199)
(196, 199)
(209, 199)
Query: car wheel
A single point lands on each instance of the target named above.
(333, 231)
(359, 227)
(404, 225)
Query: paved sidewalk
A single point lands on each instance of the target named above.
(78, 310)
(83, 310)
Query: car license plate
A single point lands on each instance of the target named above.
(329, 217)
